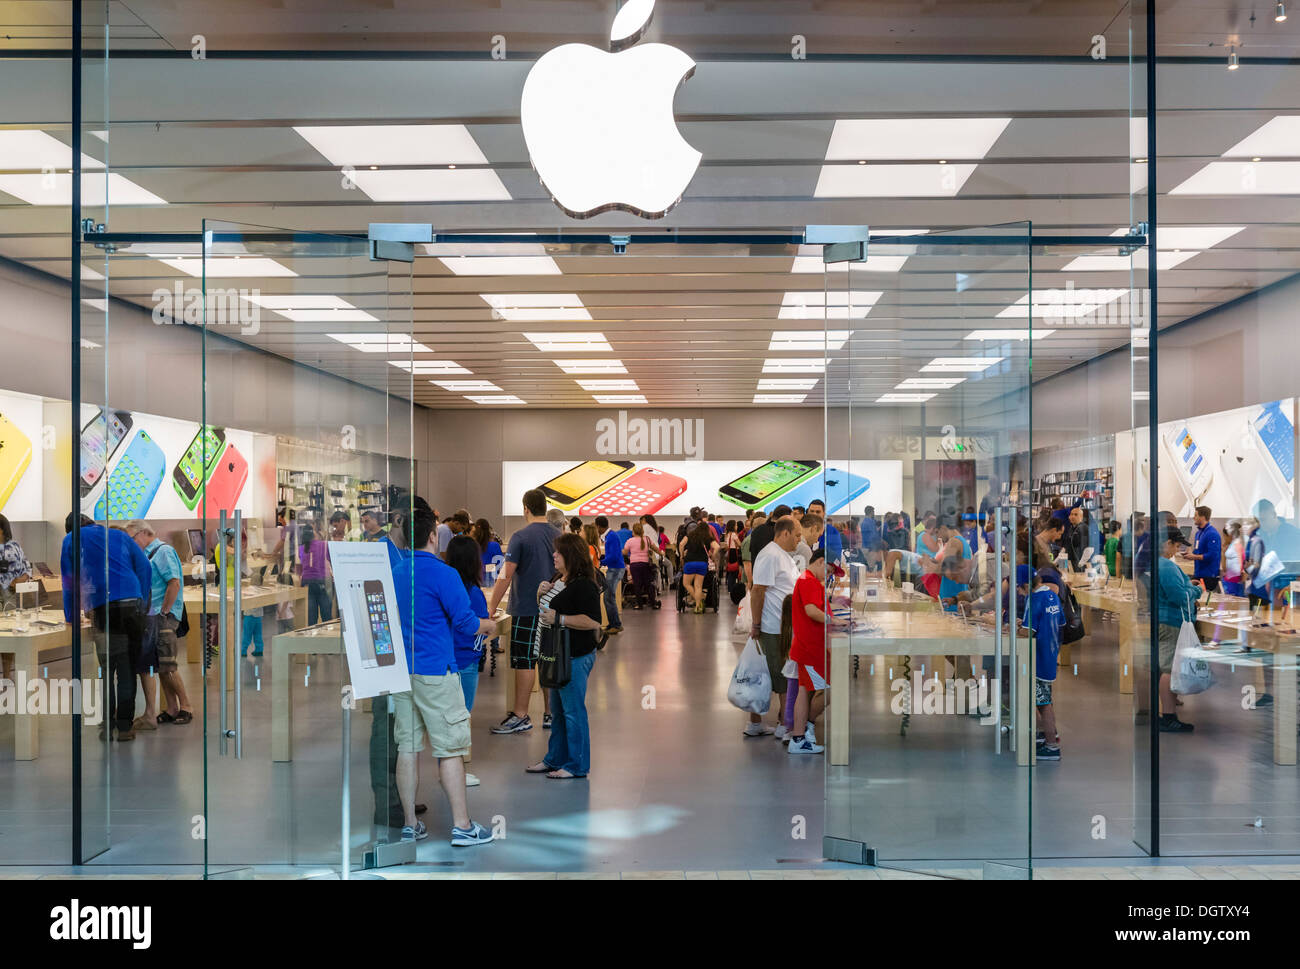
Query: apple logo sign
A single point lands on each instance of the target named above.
(600, 127)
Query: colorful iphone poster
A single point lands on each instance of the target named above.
(692, 483)
(372, 626)
(22, 440)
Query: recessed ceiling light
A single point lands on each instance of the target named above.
(537, 307)
(930, 383)
(1070, 304)
(504, 399)
(960, 364)
(228, 267)
(55, 188)
(794, 366)
(818, 304)
(607, 385)
(1007, 334)
(468, 386)
(1235, 178)
(569, 342)
(892, 181)
(38, 151)
(425, 368)
(1279, 14)
(796, 341)
(915, 139)
(394, 144)
(591, 366)
(380, 342)
(794, 383)
(780, 398)
(1234, 62)
(619, 398)
(904, 398)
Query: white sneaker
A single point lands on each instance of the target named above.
(810, 732)
(758, 730)
(782, 732)
(804, 746)
(471, 780)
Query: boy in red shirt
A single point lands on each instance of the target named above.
(808, 650)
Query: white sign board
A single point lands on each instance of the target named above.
(372, 627)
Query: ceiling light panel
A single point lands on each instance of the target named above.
(794, 366)
(1007, 334)
(38, 151)
(229, 267)
(299, 301)
(431, 185)
(960, 364)
(892, 181)
(327, 316)
(914, 138)
(1239, 178)
(904, 398)
(1279, 137)
(97, 189)
(425, 368)
(591, 366)
(786, 341)
(818, 304)
(537, 307)
(1070, 304)
(607, 385)
(796, 383)
(620, 398)
(780, 398)
(930, 383)
(569, 342)
(397, 144)
(380, 342)
(468, 386)
(504, 399)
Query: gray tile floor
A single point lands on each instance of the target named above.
(674, 788)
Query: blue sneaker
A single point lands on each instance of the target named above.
(475, 834)
(804, 746)
(417, 833)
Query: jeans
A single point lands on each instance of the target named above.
(118, 651)
(383, 764)
(252, 634)
(319, 607)
(570, 746)
(469, 684)
(643, 581)
(613, 579)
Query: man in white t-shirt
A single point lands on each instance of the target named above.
(775, 574)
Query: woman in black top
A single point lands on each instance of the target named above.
(697, 548)
(571, 601)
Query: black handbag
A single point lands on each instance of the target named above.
(554, 658)
(1073, 630)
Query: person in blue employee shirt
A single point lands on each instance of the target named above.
(612, 560)
(434, 607)
(1045, 618)
(830, 538)
(1207, 551)
(115, 578)
(871, 537)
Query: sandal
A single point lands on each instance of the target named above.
(540, 768)
(184, 716)
(564, 775)
(166, 717)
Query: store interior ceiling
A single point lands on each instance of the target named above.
(912, 148)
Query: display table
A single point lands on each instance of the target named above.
(887, 598)
(45, 631)
(198, 606)
(920, 634)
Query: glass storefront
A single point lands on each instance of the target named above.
(930, 254)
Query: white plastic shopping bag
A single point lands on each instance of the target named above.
(744, 621)
(751, 684)
(1191, 672)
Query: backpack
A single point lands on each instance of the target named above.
(183, 627)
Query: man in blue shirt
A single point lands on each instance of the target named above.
(115, 578)
(870, 529)
(612, 560)
(1046, 617)
(1207, 551)
(1175, 604)
(1281, 541)
(432, 603)
(165, 609)
(624, 533)
(830, 539)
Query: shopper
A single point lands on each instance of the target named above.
(114, 577)
(955, 575)
(555, 518)
(747, 548)
(570, 605)
(591, 535)
(14, 567)
(489, 549)
(372, 529)
(340, 525)
(1045, 619)
(611, 545)
(575, 525)
(166, 607)
(1175, 603)
(764, 532)
(1112, 547)
(696, 548)
(810, 619)
(774, 578)
(1281, 539)
(528, 564)
(642, 553)
(869, 529)
(731, 535)
(437, 608)
(311, 553)
(929, 549)
(464, 556)
(625, 532)
(1207, 551)
(830, 539)
(1233, 559)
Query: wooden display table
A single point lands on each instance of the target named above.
(45, 631)
(198, 606)
(921, 634)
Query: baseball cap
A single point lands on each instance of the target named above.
(1176, 536)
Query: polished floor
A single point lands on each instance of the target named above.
(674, 787)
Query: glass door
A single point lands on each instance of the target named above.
(307, 438)
(931, 714)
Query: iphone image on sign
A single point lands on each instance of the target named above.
(1191, 464)
(1260, 462)
(645, 493)
(15, 456)
(226, 484)
(768, 481)
(99, 442)
(836, 488)
(376, 616)
(584, 482)
(135, 480)
(198, 461)
(365, 634)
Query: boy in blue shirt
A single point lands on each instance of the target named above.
(1045, 619)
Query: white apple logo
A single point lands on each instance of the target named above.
(600, 127)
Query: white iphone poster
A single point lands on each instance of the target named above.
(372, 626)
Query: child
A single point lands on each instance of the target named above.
(783, 733)
(808, 650)
(1045, 619)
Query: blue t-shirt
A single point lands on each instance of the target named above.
(831, 540)
(395, 554)
(468, 647)
(530, 550)
(112, 568)
(613, 557)
(947, 587)
(624, 535)
(493, 560)
(436, 608)
(870, 534)
(1175, 595)
(1209, 544)
(1046, 617)
(166, 566)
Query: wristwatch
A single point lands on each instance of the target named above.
(560, 620)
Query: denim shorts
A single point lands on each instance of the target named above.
(695, 568)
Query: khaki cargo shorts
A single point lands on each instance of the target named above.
(435, 707)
